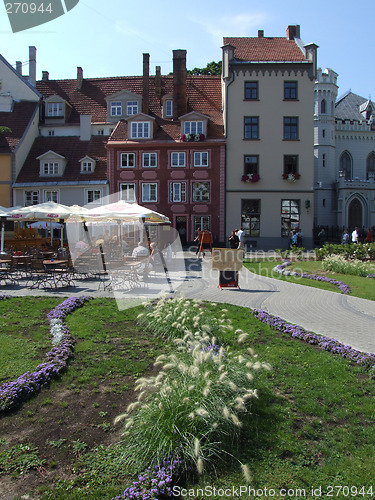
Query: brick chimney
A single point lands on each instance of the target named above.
(146, 84)
(293, 31)
(32, 65)
(79, 77)
(179, 83)
(45, 76)
(158, 81)
(19, 67)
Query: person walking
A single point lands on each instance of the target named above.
(345, 237)
(233, 240)
(241, 236)
(355, 235)
(369, 237)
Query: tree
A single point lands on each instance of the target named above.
(212, 68)
(4, 130)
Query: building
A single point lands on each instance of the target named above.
(268, 100)
(19, 112)
(344, 156)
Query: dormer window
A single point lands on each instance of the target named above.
(116, 108)
(140, 130)
(87, 165)
(51, 168)
(132, 108)
(51, 164)
(195, 127)
(169, 108)
(55, 109)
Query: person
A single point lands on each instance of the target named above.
(345, 237)
(294, 239)
(233, 240)
(322, 236)
(125, 246)
(155, 257)
(140, 251)
(299, 237)
(355, 235)
(369, 237)
(241, 236)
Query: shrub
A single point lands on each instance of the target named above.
(338, 264)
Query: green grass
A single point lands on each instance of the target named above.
(361, 287)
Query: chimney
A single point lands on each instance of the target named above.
(79, 77)
(146, 84)
(45, 76)
(158, 81)
(260, 33)
(85, 127)
(293, 31)
(179, 83)
(312, 56)
(32, 65)
(19, 67)
(228, 56)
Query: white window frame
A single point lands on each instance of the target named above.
(96, 196)
(55, 109)
(202, 222)
(169, 107)
(197, 195)
(178, 159)
(140, 130)
(51, 168)
(51, 195)
(199, 158)
(125, 158)
(87, 167)
(177, 192)
(116, 108)
(152, 197)
(193, 127)
(131, 108)
(132, 189)
(33, 198)
(149, 160)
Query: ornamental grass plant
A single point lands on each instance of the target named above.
(356, 267)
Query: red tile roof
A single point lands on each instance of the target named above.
(74, 150)
(203, 93)
(17, 120)
(265, 49)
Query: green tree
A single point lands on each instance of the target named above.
(4, 130)
(212, 68)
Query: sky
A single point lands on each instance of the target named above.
(108, 37)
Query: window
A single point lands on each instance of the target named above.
(290, 128)
(200, 159)
(250, 217)
(55, 109)
(177, 192)
(324, 160)
(100, 131)
(51, 196)
(149, 192)
(346, 165)
(132, 107)
(127, 160)
(323, 132)
(31, 198)
(193, 127)
(178, 159)
(323, 106)
(51, 133)
(93, 195)
(290, 90)
(290, 164)
(50, 168)
(201, 191)
(370, 167)
(169, 107)
(116, 108)
(149, 160)
(290, 215)
(140, 130)
(87, 167)
(251, 164)
(251, 127)
(202, 223)
(128, 191)
(251, 90)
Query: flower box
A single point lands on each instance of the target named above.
(291, 177)
(192, 137)
(250, 178)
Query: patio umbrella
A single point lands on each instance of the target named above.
(4, 214)
(126, 212)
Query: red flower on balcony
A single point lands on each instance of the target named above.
(291, 177)
(192, 137)
(250, 178)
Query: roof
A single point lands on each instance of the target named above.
(203, 93)
(265, 49)
(71, 148)
(17, 121)
(348, 107)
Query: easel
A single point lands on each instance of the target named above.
(204, 237)
(228, 261)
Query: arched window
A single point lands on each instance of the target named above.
(370, 166)
(346, 165)
(323, 106)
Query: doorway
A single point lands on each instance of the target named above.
(181, 227)
(355, 213)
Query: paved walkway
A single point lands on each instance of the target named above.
(347, 319)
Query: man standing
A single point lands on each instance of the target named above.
(355, 235)
(241, 236)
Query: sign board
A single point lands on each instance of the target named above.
(227, 259)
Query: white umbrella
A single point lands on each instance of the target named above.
(49, 210)
(4, 214)
(127, 212)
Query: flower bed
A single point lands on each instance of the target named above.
(12, 394)
(367, 361)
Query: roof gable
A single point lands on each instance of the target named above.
(265, 49)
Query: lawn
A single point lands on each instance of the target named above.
(312, 424)
(360, 287)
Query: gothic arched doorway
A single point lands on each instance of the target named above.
(355, 213)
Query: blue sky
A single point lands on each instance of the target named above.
(108, 37)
